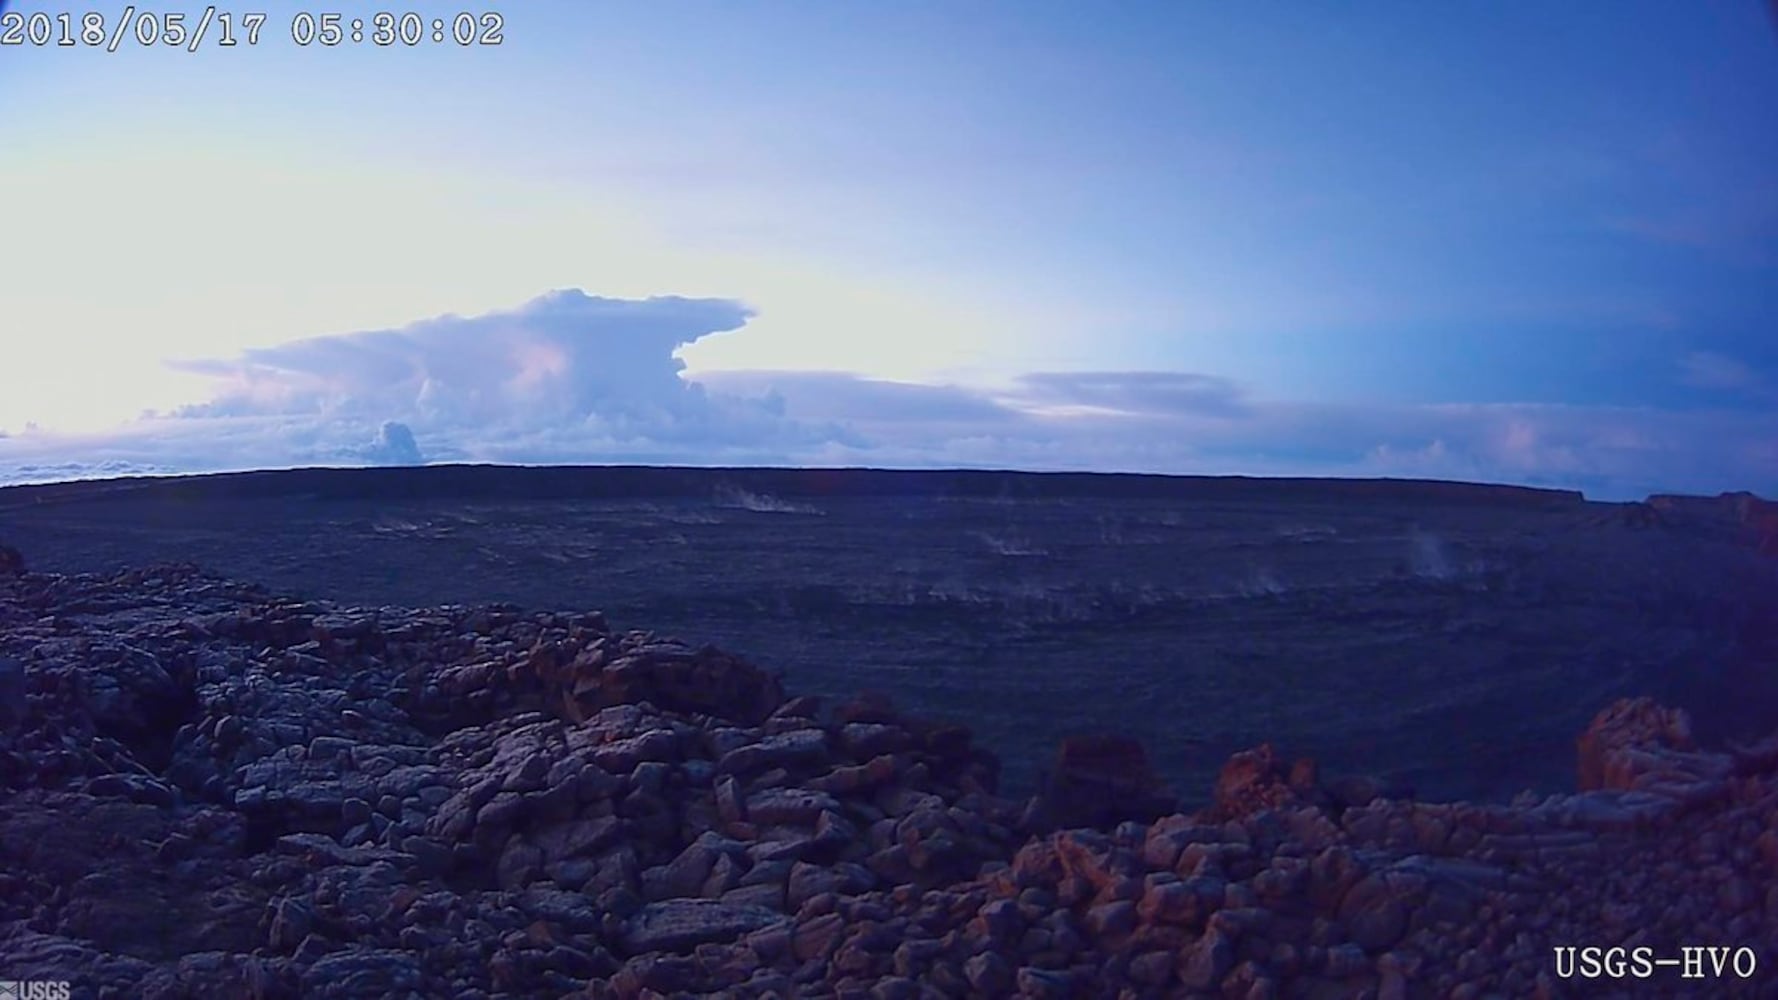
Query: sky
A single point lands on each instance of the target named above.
(1528, 243)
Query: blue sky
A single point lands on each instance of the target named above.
(1526, 243)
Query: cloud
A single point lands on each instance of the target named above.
(572, 378)
(1738, 227)
(1710, 370)
(839, 396)
(567, 377)
(1150, 393)
(1203, 424)
(564, 356)
(395, 445)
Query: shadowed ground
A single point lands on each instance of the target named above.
(1450, 638)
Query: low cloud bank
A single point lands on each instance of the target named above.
(572, 378)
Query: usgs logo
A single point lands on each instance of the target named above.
(1697, 962)
(34, 989)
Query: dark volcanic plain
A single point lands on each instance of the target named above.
(1448, 638)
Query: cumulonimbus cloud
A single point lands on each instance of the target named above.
(564, 356)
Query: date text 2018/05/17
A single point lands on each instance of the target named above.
(139, 28)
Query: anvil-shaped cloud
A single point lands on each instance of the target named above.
(566, 356)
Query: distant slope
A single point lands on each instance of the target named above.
(501, 482)
(1752, 520)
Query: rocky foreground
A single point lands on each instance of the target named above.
(206, 790)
